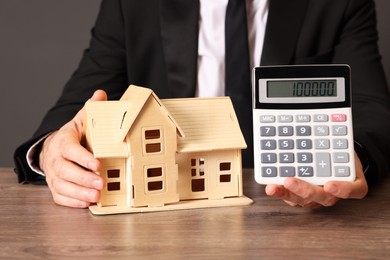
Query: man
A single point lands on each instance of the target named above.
(164, 45)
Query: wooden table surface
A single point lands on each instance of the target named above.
(33, 227)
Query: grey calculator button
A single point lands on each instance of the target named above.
(268, 144)
(321, 130)
(286, 157)
(340, 157)
(267, 131)
(302, 118)
(304, 157)
(340, 143)
(268, 157)
(268, 171)
(303, 130)
(339, 130)
(341, 171)
(304, 144)
(287, 171)
(285, 118)
(286, 144)
(323, 164)
(305, 171)
(267, 119)
(285, 130)
(320, 118)
(322, 144)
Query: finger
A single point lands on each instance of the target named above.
(353, 190)
(307, 193)
(73, 151)
(70, 202)
(311, 205)
(71, 172)
(288, 197)
(73, 191)
(276, 191)
(99, 95)
(347, 190)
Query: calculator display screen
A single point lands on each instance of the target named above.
(301, 88)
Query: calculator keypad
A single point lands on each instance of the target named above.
(305, 145)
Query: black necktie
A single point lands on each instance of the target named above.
(237, 70)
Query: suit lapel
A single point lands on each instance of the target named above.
(285, 19)
(179, 31)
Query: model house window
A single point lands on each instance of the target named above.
(152, 140)
(113, 183)
(155, 178)
(225, 174)
(111, 186)
(198, 174)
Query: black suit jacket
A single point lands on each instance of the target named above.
(154, 44)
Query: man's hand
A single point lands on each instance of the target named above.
(298, 193)
(68, 166)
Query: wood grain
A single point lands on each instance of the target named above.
(33, 227)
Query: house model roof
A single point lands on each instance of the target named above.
(209, 123)
(203, 124)
(108, 122)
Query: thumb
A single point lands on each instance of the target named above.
(99, 95)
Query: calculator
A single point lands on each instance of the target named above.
(302, 124)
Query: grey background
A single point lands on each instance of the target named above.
(40, 46)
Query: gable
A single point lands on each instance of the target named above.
(138, 97)
(108, 122)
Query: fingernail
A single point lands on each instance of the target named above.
(92, 196)
(92, 166)
(97, 184)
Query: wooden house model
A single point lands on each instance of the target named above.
(165, 154)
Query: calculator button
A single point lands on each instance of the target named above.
(322, 144)
(286, 157)
(304, 157)
(340, 157)
(287, 171)
(338, 117)
(321, 130)
(323, 164)
(304, 144)
(267, 131)
(302, 118)
(267, 119)
(268, 171)
(268, 144)
(285, 118)
(341, 171)
(303, 130)
(286, 144)
(320, 118)
(305, 171)
(339, 130)
(340, 143)
(285, 130)
(268, 157)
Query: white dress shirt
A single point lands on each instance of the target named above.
(211, 45)
(211, 50)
